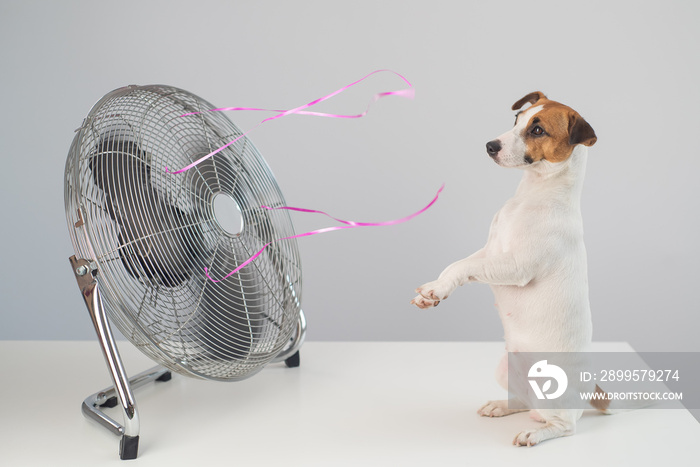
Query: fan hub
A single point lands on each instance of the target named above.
(227, 213)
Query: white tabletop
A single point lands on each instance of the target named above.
(361, 403)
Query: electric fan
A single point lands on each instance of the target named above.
(143, 238)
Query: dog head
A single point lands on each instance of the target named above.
(545, 131)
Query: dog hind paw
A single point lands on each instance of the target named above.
(536, 416)
(548, 431)
(496, 409)
(527, 438)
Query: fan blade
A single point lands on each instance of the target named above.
(156, 239)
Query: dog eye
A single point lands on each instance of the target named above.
(537, 131)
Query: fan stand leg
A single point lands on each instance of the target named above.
(107, 398)
(290, 355)
(293, 361)
(122, 389)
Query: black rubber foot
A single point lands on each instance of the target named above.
(129, 447)
(167, 376)
(293, 361)
(111, 402)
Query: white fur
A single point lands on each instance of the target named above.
(535, 262)
(512, 144)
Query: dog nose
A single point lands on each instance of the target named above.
(492, 147)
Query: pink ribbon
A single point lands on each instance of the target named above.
(347, 225)
(407, 93)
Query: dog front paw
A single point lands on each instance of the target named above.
(432, 293)
(424, 303)
(436, 290)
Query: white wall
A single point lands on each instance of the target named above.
(630, 68)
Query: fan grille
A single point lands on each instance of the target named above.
(150, 234)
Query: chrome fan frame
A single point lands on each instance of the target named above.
(142, 238)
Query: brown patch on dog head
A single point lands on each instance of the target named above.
(532, 98)
(580, 132)
(554, 131)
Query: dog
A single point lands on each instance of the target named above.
(534, 258)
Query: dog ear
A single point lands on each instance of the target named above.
(531, 98)
(580, 132)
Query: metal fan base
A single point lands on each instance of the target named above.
(107, 398)
(121, 393)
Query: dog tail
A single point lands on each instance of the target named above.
(604, 404)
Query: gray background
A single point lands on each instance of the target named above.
(630, 68)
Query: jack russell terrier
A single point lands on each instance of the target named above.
(534, 259)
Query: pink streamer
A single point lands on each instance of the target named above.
(348, 225)
(407, 93)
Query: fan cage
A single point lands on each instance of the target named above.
(149, 234)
